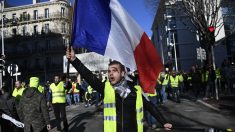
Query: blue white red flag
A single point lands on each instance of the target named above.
(104, 27)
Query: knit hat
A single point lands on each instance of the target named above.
(34, 82)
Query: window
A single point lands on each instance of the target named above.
(47, 28)
(14, 31)
(14, 18)
(35, 29)
(63, 28)
(35, 14)
(172, 23)
(24, 30)
(4, 19)
(47, 13)
(62, 11)
(65, 42)
(24, 15)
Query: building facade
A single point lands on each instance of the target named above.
(176, 38)
(35, 37)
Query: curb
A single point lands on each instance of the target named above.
(208, 105)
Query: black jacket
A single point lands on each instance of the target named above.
(125, 109)
(7, 104)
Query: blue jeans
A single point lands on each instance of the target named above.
(163, 93)
(68, 99)
(97, 98)
(76, 98)
(150, 119)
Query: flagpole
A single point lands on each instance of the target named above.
(71, 27)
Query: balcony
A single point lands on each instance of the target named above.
(23, 19)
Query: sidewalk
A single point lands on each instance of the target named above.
(211, 103)
(224, 103)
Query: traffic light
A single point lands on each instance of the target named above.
(212, 34)
(2, 64)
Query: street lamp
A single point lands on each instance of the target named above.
(3, 54)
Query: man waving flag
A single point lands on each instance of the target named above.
(104, 27)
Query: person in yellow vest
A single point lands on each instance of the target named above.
(181, 82)
(204, 77)
(150, 119)
(18, 90)
(124, 104)
(17, 94)
(165, 85)
(88, 96)
(174, 83)
(76, 92)
(218, 78)
(58, 98)
(68, 91)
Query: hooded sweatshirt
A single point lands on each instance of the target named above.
(33, 109)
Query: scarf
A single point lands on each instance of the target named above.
(122, 88)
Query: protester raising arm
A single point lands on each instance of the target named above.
(123, 90)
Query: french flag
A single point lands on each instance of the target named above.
(104, 27)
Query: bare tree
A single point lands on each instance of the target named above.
(203, 14)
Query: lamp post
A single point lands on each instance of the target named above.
(3, 54)
(176, 62)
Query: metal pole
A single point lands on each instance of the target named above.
(163, 61)
(213, 61)
(176, 63)
(2, 29)
(1, 70)
(200, 50)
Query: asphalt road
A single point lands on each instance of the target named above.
(186, 116)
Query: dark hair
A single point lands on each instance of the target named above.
(117, 63)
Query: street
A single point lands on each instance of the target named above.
(184, 116)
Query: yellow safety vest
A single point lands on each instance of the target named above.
(58, 93)
(174, 81)
(89, 89)
(166, 79)
(74, 84)
(110, 116)
(18, 92)
(205, 76)
(181, 79)
(217, 73)
(41, 89)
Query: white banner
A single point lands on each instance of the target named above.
(14, 121)
(92, 61)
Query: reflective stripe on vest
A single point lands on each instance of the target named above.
(58, 93)
(152, 95)
(110, 116)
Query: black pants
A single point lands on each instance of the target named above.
(6, 126)
(60, 115)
